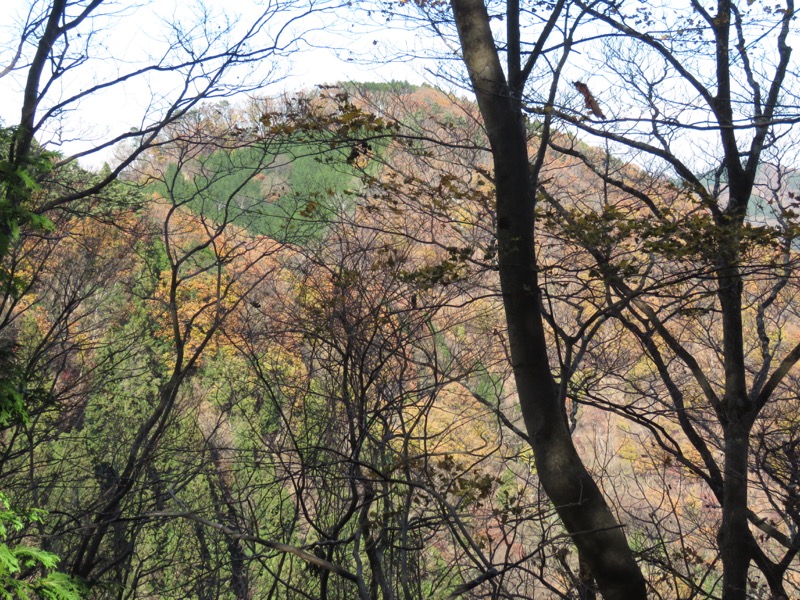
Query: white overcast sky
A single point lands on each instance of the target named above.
(329, 53)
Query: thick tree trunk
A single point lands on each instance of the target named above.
(734, 535)
(582, 508)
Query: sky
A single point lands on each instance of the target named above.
(327, 47)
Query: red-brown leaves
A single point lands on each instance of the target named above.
(589, 99)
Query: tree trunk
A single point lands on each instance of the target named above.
(734, 535)
(582, 508)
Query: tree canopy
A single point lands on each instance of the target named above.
(528, 330)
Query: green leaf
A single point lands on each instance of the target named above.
(60, 586)
(8, 562)
(32, 557)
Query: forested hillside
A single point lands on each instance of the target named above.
(376, 340)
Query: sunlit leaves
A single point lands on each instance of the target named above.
(27, 571)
